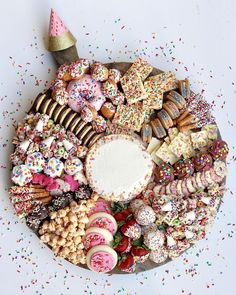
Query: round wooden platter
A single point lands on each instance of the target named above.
(148, 265)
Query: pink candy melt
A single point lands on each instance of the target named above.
(52, 186)
(103, 222)
(73, 183)
(47, 181)
(56, 26)
(38, 178)
(102, 261)
(93, 239)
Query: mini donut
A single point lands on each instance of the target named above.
(165, 119)
(99, 72)
(88, 113)
(108, 110)
(164, 174)
(109, 89)
(60, 95)
(78, 68)
(85, 89)
(99, 124)
(119, 98)
(157, 128)
(219, 150)
(57, 84)
(171, 109)
(183, 168)
(202, 162)
(114, 75)
(177, 99)
(63, 73)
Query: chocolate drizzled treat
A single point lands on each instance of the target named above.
(83, 192)
(61, 202)
(36, 216)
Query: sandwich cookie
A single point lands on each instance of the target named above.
(157, 128)
(177, 99)
(171, 109)
(165, 119)
(184, 88)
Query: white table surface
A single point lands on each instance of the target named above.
(195, 38)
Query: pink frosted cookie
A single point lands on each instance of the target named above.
(100, 206)
(95, 236)
(103, 220)
(82, 90)
(101, 259)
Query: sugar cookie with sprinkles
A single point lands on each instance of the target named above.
(117, 167)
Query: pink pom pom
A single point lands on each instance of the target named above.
(73, 183)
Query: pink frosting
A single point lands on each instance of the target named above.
(56, 26)
(93, 239)
(85, 90)
(72, 182)
(100, 206)
(102, 261)
(38, 178)
(104, 222)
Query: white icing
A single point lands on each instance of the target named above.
(119, 167)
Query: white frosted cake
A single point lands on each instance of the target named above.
(118, 167)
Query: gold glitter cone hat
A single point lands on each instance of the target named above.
(60, 38)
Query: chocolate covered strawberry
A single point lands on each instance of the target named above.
(131, 229)
(127, 263)
(122, 244)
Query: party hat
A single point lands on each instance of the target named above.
(60, 37)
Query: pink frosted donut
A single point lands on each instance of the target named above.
(85, 89)
(100, 206)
